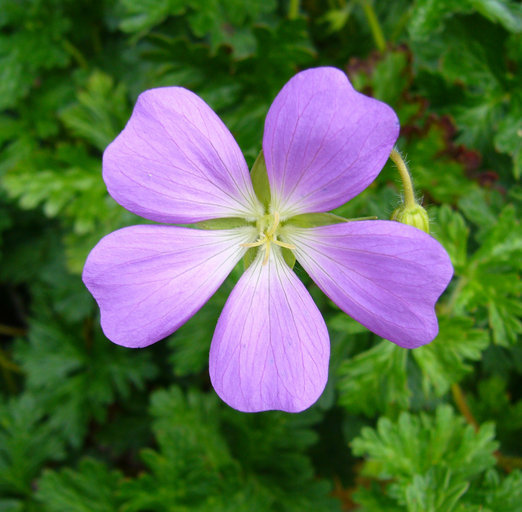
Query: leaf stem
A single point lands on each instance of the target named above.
(460, 401)
(409, 195)
(506, 462)
(375, 27)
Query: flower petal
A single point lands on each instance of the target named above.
(149, 280)
(176, 161)
(271, 346)
(384, 274)
(324, 142)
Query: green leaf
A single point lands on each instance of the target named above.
(505, 12)
(228, 22)
(100, 112)
(431, 459)
(500, 493)
(32, 40)
(491, 278)
(90, 488)
(432, 492)
(144, 15)
(27, 442)
(451, 230)
(375, 380)
(428, 16)
(445, 360)
(508, 138)
(415, 443)
(83, 372)
(494, 402)
(257, 465)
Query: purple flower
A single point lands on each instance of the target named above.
(176, 162)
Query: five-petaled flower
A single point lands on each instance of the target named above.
(176, 162)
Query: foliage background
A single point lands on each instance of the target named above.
(87, 426)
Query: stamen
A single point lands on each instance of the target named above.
(267, 238)
(261, 241)
(284, 244)
(267, 252)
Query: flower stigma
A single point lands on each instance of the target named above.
(269, 236)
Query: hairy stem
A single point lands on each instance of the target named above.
(409, 195)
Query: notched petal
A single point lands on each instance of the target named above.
(149, 280)
(386, 275)
(324, 142)
(271, 347)
(177, 162)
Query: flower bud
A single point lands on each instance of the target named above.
(415, 216)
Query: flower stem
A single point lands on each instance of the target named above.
(293, 10)
(409, 196)
(375, 27)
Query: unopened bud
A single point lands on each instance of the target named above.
(415, 216)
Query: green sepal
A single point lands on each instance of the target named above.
(223, 223)
(288, 256)
(313, 220)
(259, 178)
(251, 254)
(249, 257)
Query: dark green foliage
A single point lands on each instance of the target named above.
(87, 426)
(27, 441)
(433, 461)
(90, 488)
(82, 374)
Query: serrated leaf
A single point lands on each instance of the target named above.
(144, 15)
(100, 112)
(446, 359)
(431, 492)
(491, 277)
(90, 488)
(429, 15)
(197, 468)
(82, 374)
(229, 23)
(415, 443)
(27, 441)
(498, 493)
(375, 381)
